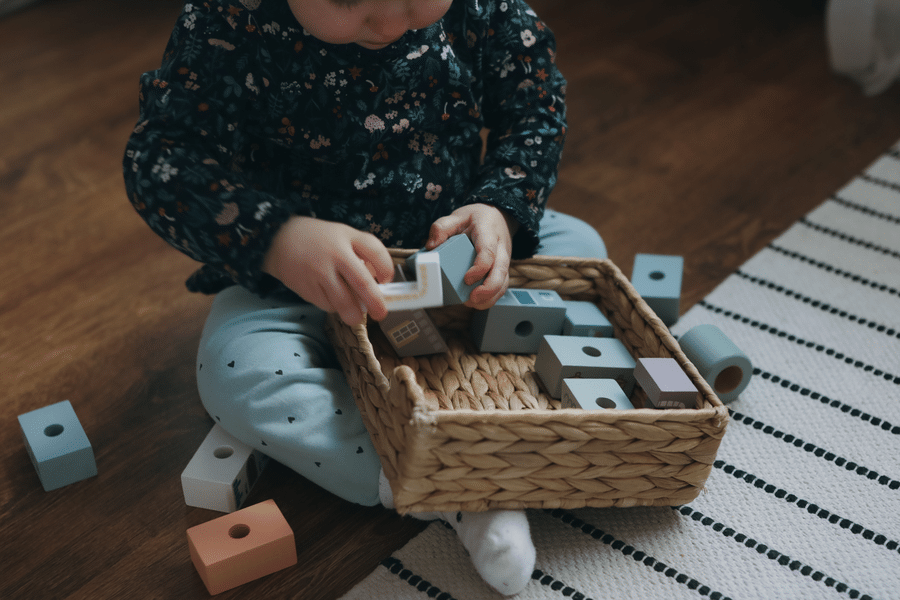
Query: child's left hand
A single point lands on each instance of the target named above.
(491, 231)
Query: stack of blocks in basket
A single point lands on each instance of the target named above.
(242, 546)
(221, 473)
(572, 339)
(57, 445)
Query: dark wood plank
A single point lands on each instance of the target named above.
(699, 128)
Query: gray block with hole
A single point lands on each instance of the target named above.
(657, 278)
(57, 445)
(594, 394)
(518, 321)
(221, 473)
(564, 357)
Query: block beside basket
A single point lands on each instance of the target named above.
(472, 431)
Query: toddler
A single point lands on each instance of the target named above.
(285, 144)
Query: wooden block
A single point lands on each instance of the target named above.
(594, 394)
(666, 383)
(518, 320)
(221, 473)
(456, 256)
(242, 546)
(657, 278)
(411, 332)
(424, 292)
(57, 445)
(563, 357)
(585, 319)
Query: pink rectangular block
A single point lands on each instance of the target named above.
(242, 546)
(666, 383)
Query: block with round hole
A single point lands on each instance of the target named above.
(221, 473)
(242, 546)
(666, 383)
(584, 318)
(657, 278)
(594, 394)
(57, 445)
(563, 357)
(518, 320)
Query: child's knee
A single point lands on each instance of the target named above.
(565, 235)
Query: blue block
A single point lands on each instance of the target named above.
(657, 278)
(585, 319)
(457, 255)
(594, 394)
(518, 320)
(563, 357)
(57, 445)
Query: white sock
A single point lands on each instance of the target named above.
(498, 541)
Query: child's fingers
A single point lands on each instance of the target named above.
(375, 255)
(496, 280)
(445, 228)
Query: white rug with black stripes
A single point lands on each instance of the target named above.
(804, 499)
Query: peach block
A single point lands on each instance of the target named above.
(242, 546)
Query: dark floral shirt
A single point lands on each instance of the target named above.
(250, 120)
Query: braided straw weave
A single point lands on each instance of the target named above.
(474, 431)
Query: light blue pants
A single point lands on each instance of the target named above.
(268, 375)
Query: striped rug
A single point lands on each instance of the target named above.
(804, 499)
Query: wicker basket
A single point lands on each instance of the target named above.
(469, 431)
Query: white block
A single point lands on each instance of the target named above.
(424, 292)
(221, 473)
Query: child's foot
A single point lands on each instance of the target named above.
(498, 541)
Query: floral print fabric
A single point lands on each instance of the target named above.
(250, 120)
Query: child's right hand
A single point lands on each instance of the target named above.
(331, 265)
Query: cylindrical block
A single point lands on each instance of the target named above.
(720, 362)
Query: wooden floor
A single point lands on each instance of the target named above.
(700, 128)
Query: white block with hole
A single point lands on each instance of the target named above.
(594, 394)
(657, 278)
(564, 357)
(221, 473)
(518, 321)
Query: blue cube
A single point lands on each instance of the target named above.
(657, 278)
(57, 445)
(518, 320)
(585, 319)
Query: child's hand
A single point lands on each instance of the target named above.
(331, 265)
(491, 232)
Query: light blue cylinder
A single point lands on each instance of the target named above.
(719, 361)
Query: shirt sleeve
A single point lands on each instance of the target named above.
(183, 162)
(524, 110)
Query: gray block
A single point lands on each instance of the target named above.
(657, 278)
(585, 319)
(666, 383)
(564, 357)
(518, 321)
(594, 394)
(57, 445)
(457, 255)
